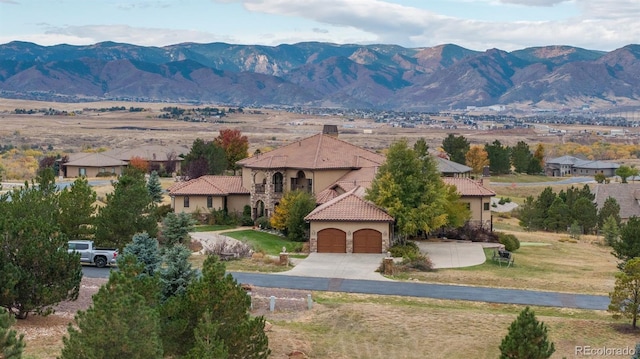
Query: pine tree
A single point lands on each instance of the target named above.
(628, 247)
(176, 274)
(527, 339)
(146, 251)
(243, 336)
(611, 231)
(176, 228)
(121, 323)
(208, 344)
(456, 147)
(609, 208)
(11, 344)
(625, 298)
(77, 209)
(499, 158)
(154, 187)
(127, 212)
(36, 272)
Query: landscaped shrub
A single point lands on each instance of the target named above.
(263, 223)
(246, 219)
(504, 200)
(223, 247)
(509, 241)
(472, 233)
(407, 250)
(420, 263)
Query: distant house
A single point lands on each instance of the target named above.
(477, 197)
(573, 166)
(626, 194)
(91, 165)
(158, 156)
(208, 193)
(449, 168)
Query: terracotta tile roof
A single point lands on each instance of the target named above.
(349, 207)
(626, 194)
(326, 195)
(469, 187)
(209, 186)
(315, 152)
(94, 160)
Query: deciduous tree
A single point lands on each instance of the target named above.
(625, 298)
(205, 158)
(139, 163)
(235, 145)
(289, 215)
(477, 158)
(625, 172)
(527, 339)
(409, 188)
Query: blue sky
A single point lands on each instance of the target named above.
(474, 24)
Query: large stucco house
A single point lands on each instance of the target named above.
(573, 166)
(337, 173)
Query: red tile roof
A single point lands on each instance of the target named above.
(350, 207)
(468, 187)
(209, 186)
(315, 152)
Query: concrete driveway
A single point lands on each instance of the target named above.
(339, 265)
(453, 254)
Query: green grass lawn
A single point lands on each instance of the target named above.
(213, 227)
(265, 242)
(523, 178)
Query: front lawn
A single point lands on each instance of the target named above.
(213, 227)
(267, 243)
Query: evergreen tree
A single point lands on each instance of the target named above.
(611, 231)
(456, 147)
(521, 157)
(154, 187)
(625, 298)
(527, 214)
(146, 251)
(121, 323)
(558, 216)
(36, 272)
(207, 342)
(543, 203)
(628, 246)
(128, 211)
(176, 273)
(11, 344)
(408, 186)
(610, 208)
(585, 213)
(205, 158)
(242, 335)
(176, 228)
(527, 339)
(77, 210)
(499, 158)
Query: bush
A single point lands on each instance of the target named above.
(240, 249)
(407, 250)
(510, 242)
(472, 233)
(504, 200)
(263, 223)
(420, 263)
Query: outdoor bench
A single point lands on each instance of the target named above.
(503, 256)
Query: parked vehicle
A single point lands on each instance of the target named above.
(101, 257)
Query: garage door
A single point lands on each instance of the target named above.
(332, 241)
(367, 241)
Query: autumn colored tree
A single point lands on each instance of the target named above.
(289, 215)
(139, 163)
(538, 154)
(476, 158)
(235, 145)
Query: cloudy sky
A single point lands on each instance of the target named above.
(474, 24)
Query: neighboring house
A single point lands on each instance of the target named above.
(449, 168)
(208, 193)
(350, 224)
(477, 197)
(573, 166)
(91, 165)
(626, 194)
(158, 156)
(337, 173)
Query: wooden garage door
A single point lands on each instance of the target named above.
(332, 240)
(367, 241)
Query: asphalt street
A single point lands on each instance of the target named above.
(410, 289)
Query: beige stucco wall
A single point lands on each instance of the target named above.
(235, 203)
(349, 228)
(476, 204)
(74, 171)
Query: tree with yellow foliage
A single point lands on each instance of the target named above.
(476, 158)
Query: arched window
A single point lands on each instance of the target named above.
(278, 182)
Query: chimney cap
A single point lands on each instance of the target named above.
(331, 130)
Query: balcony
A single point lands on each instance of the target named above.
(258, 188)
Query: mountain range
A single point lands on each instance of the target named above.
(315, 74)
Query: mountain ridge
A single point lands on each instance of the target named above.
(377, 76)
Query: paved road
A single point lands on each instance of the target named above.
(410, 289)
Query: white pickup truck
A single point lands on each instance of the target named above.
(101, 257)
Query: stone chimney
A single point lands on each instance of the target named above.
(330, 130)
